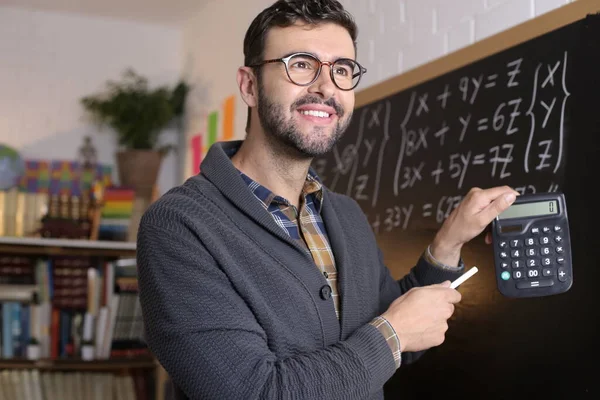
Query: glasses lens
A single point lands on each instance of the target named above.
(346, 73)
(302, 69)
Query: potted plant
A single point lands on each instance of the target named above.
(138, 115)
(33, 349)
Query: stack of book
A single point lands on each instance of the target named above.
(117, 209)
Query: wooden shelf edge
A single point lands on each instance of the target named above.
(77, 364)
(77, 247)
(71, 243)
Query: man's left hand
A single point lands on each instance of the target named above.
(474, 213)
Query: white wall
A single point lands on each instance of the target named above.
(394, 37)
(48, 61)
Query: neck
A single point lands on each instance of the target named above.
(273, 168)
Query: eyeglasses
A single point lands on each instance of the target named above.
(303, 69)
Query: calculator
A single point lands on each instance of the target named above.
(532, 246)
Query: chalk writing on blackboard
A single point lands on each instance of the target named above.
(426, 147)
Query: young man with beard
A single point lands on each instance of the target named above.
(256, 282)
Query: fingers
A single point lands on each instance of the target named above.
(491, 194)
(454, 296)
(500, 203)
(488, 238)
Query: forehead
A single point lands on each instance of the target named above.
(328, 41)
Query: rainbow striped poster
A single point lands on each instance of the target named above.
(219, 127)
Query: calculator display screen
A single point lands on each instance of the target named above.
(535, 209)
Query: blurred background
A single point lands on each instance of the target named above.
(80, 160)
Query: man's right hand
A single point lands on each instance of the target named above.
(420, 316)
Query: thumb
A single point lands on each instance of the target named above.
(445, 284)
(497, 206)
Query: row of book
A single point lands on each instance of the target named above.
(33, 384)
(67, 216)
(63, 304)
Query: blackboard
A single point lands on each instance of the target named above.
(520, 109)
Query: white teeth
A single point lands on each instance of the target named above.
(313, 113)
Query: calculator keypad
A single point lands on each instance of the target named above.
(537, 260)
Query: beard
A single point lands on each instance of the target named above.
(286, 135)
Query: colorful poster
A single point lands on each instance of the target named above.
(213, 119)
(228, 117)
(196, 144)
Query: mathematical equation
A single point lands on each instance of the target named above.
(399, 217)
(494, 128)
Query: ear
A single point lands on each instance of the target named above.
(248, 86)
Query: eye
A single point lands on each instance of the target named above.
(302, 65)
(344, 68)
(343, 71)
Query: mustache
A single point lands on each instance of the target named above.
(311, 99)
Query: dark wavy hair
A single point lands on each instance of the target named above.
(284, 13)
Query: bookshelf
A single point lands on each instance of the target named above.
(103, 251)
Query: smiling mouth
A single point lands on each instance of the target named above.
(313, 113)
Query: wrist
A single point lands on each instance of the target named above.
(445, 253)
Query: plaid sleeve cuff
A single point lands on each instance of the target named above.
(431, 260)
(390, 336)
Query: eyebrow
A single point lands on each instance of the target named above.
(316, 55)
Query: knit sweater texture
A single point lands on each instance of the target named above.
(235, 309)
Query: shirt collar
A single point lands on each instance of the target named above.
(312, 186)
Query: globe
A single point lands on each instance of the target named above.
(12, 167)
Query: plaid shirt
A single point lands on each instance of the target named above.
(305, 226)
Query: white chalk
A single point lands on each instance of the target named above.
(464, 277)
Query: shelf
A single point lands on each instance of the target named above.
(80, 365)
(78, 247)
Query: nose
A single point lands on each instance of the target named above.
(323, 86)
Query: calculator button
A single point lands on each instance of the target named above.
(530, 242)
(535, 284)
(516, 253)
(533, 273)
(558, 239)
(505, 275)
(535, 231)
(547, 272)
(544, 240)
(532, 262)
(557, 228)
(530, 252)
(515, 243)
(517, 264)
(546, 262)
(545, 229)
(503, 254)
(544, 251)
(562, 274)
(518, 275)
(559, 249)
(502, 244)
(560, 260)
(503, 265)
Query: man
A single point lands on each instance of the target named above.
(256, 282)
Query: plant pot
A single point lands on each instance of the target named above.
(87, 352)
(33, 351)
(139, 170)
